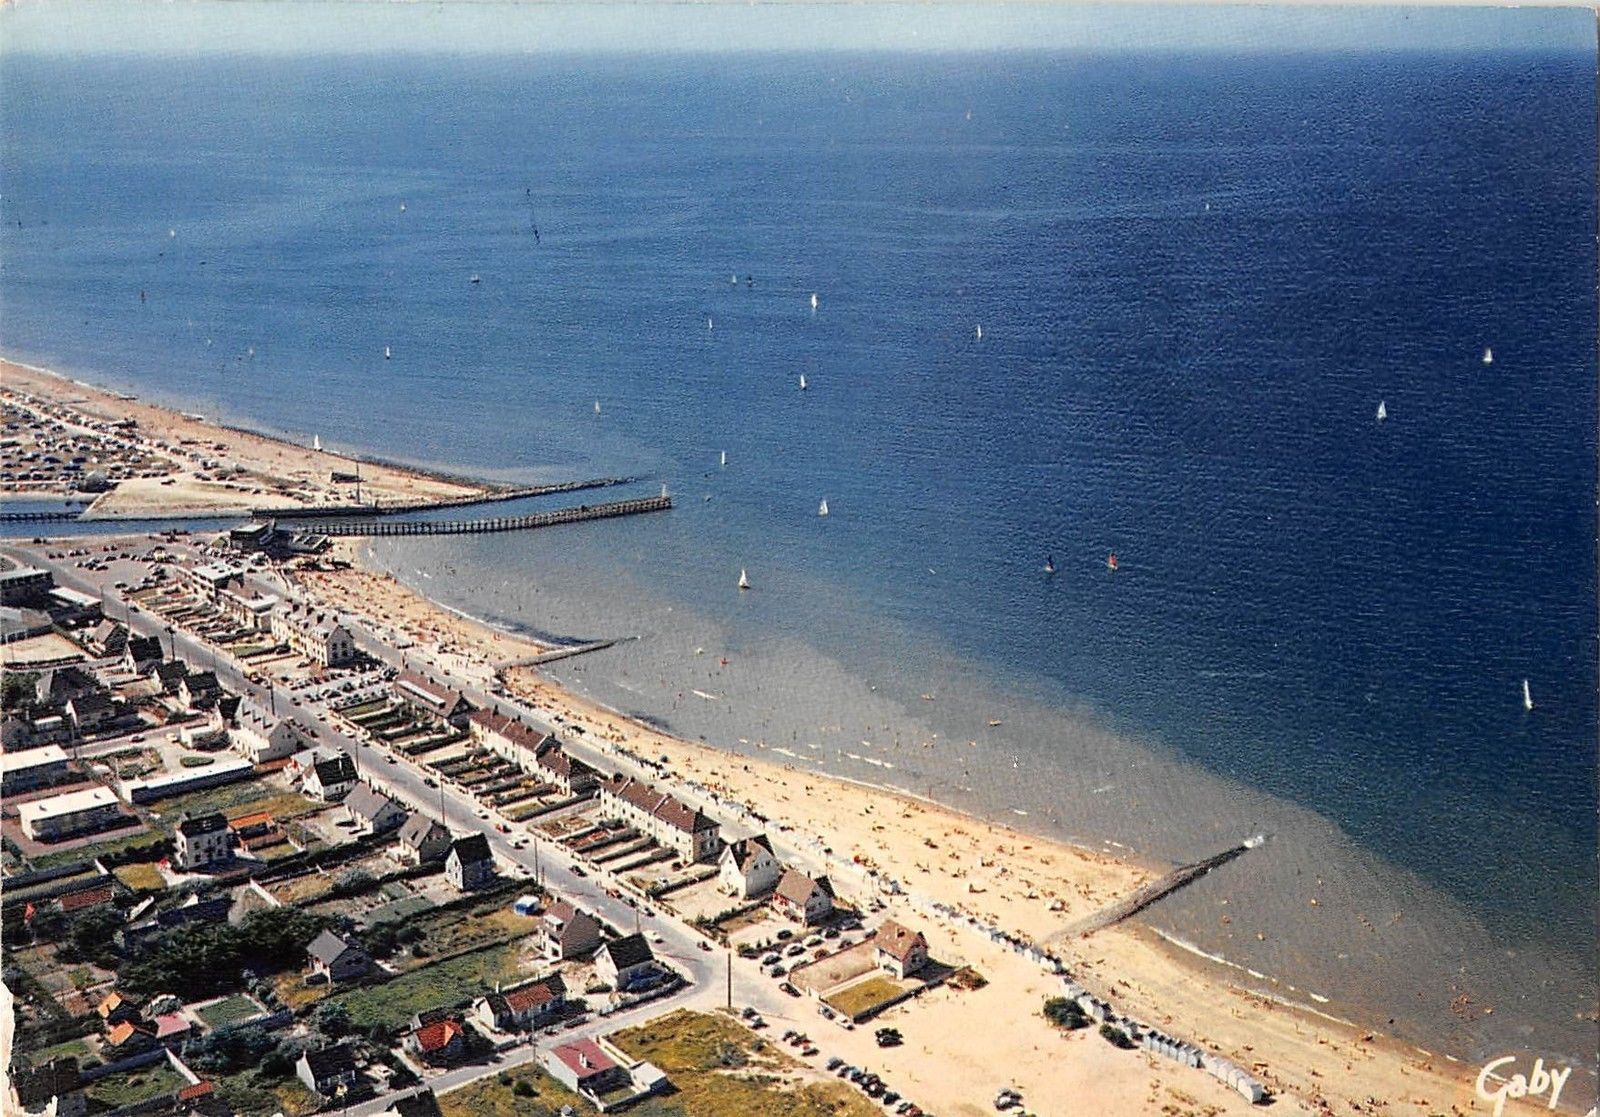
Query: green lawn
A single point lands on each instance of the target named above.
(868, 994)
(141, 876)
(249, 1093)
(229, 1010)
(400, 909)
(139, 835)
(115, 1090)
(441, 983)
(75, 1047)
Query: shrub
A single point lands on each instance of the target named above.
(1065, 1013)
(523, 1088)
(1116, 1037)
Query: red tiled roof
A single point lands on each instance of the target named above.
(531, 996)
(658, 804)
(519, 733)
(121, 1033)
(437, 1036)
(112, 1002)
(584, 1057)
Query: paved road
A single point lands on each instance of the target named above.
(708, 973)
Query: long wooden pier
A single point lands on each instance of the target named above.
(490, 496)
(498, 523)
(39, 517)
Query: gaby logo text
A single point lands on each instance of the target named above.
(1532, 1085)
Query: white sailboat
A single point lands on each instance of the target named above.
(1383, 412)
(822, 509)
(1488, 356)
(316, 442)
(980, 333)
(1049, 564)
(387, 355)
(744, 579)
(709, 326)
(813, 300)
(1527, 696)
(402, 207)
(802, 381)
(597, 407)
(724, 459)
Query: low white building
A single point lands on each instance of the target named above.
(32, 768)
(73, 813)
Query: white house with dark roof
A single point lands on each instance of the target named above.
(199, 689)
(325, 1072)
(331, 779)
(336, 958)
(622, 963)
(748, 868)
(88, 712)
(670, 822)
(372, 811)
(202, 841)
(803, 898)
(469, 863)
(422, 840)
(568, 932)
(141, 653)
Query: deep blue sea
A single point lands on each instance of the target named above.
(1195, 278)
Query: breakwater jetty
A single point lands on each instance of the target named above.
(54, 517)
(492, 496)
(346, 527)
(1145, 895)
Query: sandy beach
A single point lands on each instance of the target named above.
(1010, 879)
(251, 470)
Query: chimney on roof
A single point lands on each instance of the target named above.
(583, 1059)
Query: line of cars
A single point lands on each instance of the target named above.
(874, 1087)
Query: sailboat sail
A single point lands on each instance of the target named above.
(744, 579)
(822, 509)
(1383, 412)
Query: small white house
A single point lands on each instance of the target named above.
(749, 868)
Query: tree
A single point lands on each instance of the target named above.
(17, 689)
(332, 1020)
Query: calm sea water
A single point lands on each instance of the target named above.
(1195, 279)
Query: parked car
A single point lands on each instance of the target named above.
(789, 989)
